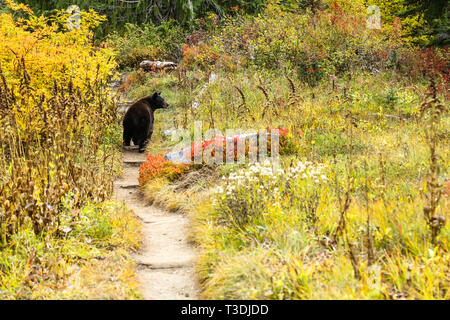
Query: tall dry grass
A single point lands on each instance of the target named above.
(66, 148)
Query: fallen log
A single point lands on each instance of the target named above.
(147, 65)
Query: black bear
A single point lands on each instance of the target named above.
(138, 120)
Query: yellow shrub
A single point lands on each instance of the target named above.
(47, 50)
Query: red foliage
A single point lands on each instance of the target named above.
(210, 145)
(195, 38)
(156, 167)
(430, 63)
(435, 64)
(447, 188)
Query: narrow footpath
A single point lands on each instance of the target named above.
(166, 259)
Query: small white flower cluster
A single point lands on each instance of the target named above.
(255, 170)
(264, 175)
(248, 177)
(307, 170)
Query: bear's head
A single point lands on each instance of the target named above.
(156, 101)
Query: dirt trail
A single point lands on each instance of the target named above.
(166, 260)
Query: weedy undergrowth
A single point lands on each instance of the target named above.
(433, 108)
(65, 146)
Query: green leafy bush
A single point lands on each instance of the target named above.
(147, 42)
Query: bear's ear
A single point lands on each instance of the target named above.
(159, 93)
(155, 95)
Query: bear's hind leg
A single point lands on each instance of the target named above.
(145, 141)
(136, 141)
(143, 145)
(126, 138)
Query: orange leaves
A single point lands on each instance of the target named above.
(158, 167)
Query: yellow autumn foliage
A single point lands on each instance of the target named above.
(50, 49)
(410, 24)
